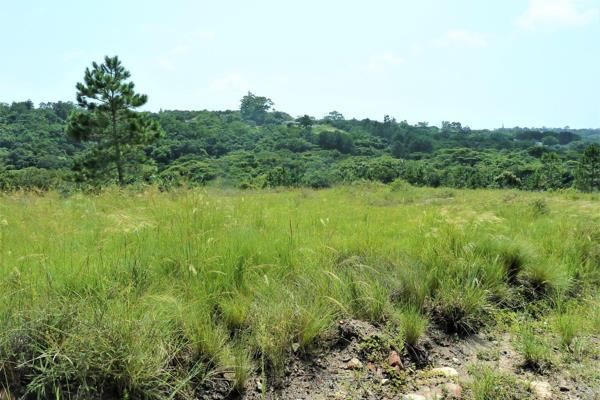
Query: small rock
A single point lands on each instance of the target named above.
(394, 359)
(385, 381)
(354, 364)
(371, 367)
(448, 372)
(453, 390)
(541, 390)
(563, 386)
(455, 360)
(295, 347)
(414, 396)
(259, 386)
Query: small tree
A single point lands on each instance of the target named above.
(255, 108)
(589, 168)
(305, 121)
(549, 175)
(108, 119)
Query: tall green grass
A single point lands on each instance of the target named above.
(149, 294)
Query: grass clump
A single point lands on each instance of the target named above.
(512, 256)
(541, 279)
(461, 309)
(490, 384)
(413, 325)
(537, 355)
(569, 326)
(539, 207)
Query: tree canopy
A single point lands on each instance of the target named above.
(262, 147)
(107, 119)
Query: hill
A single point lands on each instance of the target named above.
(238, 149)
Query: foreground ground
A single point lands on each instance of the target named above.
(353, 292)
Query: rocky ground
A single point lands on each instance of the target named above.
(364, 364)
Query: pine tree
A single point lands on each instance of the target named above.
(589, 168)
(108, 119)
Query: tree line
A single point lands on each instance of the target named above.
(103, 139)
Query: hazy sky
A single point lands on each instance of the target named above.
(481, 62)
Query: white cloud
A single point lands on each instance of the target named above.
(554, 14)
(462, 38)
(233, 82)
(384, 61)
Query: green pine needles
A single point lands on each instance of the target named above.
(108, 121)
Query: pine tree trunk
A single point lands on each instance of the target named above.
(118, 155)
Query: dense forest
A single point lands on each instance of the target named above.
(257, 146)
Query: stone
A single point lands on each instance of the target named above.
(354, 364)
(453, 390)
(394, 359)
(563, 386)
(259, 386)
(385, 381)
(371, 367)
(541, 390)
(295, 347)
(447, 372)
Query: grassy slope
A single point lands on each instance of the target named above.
(151, 294)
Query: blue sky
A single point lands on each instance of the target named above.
(480, 62)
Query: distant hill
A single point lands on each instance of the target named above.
(231, 148)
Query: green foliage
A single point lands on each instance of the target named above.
(589, 168)
(459, 308)
(188, 171)
(490, 384)
(244, 147)
(413, 325)
(536, 353)
(108, 119)
(255, 108)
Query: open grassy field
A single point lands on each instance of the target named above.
(152, 295)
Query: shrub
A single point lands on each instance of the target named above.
(317, 180)
(399, 185)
